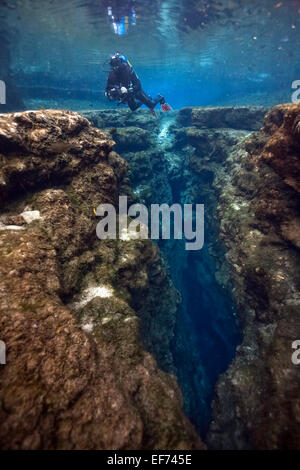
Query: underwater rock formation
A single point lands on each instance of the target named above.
(234, 117)
(253, 178)
(180, 165)
(136, 136)
(114, 118)
(80, 317)
(249, 183)
(257, 400)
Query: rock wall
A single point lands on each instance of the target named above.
(73, 307)
(257, 400)
(174, 159)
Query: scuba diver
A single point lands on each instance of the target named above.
(123, 85)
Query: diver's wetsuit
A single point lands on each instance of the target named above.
(124, 76)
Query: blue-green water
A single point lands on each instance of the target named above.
(55, 54)
(194, 52)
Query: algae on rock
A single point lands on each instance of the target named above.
(257, 400)
(77, 313)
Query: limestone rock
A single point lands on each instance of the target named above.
(282, 151)
(257, 400)
(235, 117)
(131, 139)
(114, 118)
(79, 315)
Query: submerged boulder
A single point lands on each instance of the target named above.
(80, 317)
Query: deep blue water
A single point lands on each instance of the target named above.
(194, 52)
(207, 330)
(198, 52)
(215, 336)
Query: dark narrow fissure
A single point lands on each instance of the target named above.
(206, 332)
(206, 337)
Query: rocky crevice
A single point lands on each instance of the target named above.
(174, 159)
(251, 179)
(248, 180)
(204, 138)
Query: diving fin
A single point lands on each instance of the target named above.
(165, 107)
(152, 112)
